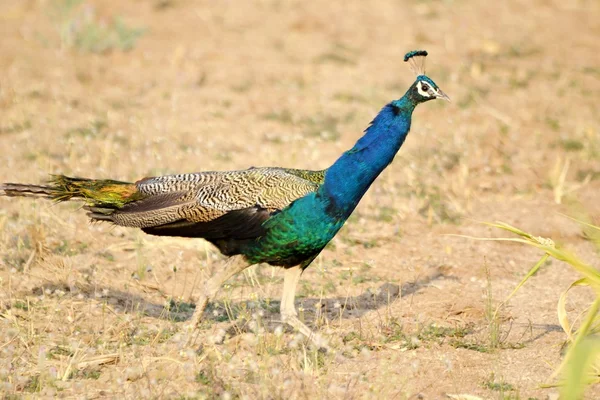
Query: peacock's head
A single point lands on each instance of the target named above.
(424, 89)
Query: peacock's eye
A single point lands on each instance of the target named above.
(425, 87)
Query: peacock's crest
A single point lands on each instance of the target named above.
(416, 60)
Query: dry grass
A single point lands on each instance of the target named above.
(131, 89)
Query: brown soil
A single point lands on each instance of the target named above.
(229, 85)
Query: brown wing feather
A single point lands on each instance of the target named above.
(226, 208)
(152, 211)
(229, 232)
(237, 224)
(271, 188)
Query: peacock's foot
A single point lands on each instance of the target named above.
(211, 287)
(319, 341)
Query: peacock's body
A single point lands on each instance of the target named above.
(279, 216)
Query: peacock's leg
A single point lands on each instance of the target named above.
(233, 266)
(288, 310)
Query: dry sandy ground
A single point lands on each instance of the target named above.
(93, 311)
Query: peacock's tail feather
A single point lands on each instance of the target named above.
(103, 193)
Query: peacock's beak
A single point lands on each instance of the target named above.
(441, 95)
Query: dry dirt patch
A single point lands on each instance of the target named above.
(131, 89)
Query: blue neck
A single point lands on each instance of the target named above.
(348, 179)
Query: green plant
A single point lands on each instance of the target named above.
(579, 366)
(79, 27)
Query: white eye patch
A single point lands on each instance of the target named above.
(424, 89)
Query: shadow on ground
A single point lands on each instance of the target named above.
(350, 307)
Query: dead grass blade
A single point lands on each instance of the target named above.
(562, 309)
(98, 360)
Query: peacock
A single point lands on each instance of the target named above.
(280, 216)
